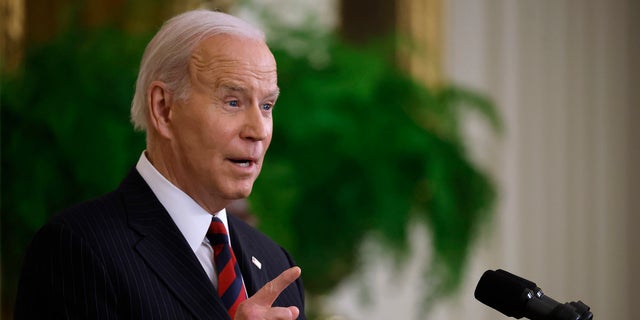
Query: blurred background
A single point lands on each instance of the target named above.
(417, 143)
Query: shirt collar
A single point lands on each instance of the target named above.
(192, 220)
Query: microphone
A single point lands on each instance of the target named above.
(518, 297)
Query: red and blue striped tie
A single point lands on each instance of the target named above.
(230, 286)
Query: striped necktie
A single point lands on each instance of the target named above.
(230, 286)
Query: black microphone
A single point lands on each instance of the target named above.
(517, 297)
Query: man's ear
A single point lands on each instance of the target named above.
(160, 103)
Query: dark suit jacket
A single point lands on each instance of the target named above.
(122, 257)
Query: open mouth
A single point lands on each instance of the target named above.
(242, 162)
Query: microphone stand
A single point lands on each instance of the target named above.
(539, 304)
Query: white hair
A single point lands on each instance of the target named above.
(166, 57)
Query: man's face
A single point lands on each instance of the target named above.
(222, 132)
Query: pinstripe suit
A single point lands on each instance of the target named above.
(122, 257)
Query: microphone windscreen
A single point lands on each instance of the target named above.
(504, 292)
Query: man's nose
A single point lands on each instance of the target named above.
(257, 125)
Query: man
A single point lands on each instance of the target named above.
(153, 248)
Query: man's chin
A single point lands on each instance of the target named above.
(238, 194)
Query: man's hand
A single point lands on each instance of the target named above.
(259, 307)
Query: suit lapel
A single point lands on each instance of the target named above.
(167, 253)
(245, 252)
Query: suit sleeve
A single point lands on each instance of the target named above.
(62, 278)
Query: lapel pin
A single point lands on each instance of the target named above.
(256, 262)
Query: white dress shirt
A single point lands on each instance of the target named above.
(192, 220)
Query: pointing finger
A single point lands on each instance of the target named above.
(270, 292)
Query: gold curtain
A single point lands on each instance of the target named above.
(12, 17)
(420, 24)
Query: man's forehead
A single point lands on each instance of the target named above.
(233, 60)
(226, 48)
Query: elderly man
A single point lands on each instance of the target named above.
(161, 246)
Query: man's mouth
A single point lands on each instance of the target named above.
(242, 162)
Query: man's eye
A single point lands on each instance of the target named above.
(267, 106)
(233, 103)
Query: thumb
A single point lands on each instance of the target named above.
(295, 312)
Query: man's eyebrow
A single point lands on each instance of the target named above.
(274, 94)
(241, 89)
(232, 87)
